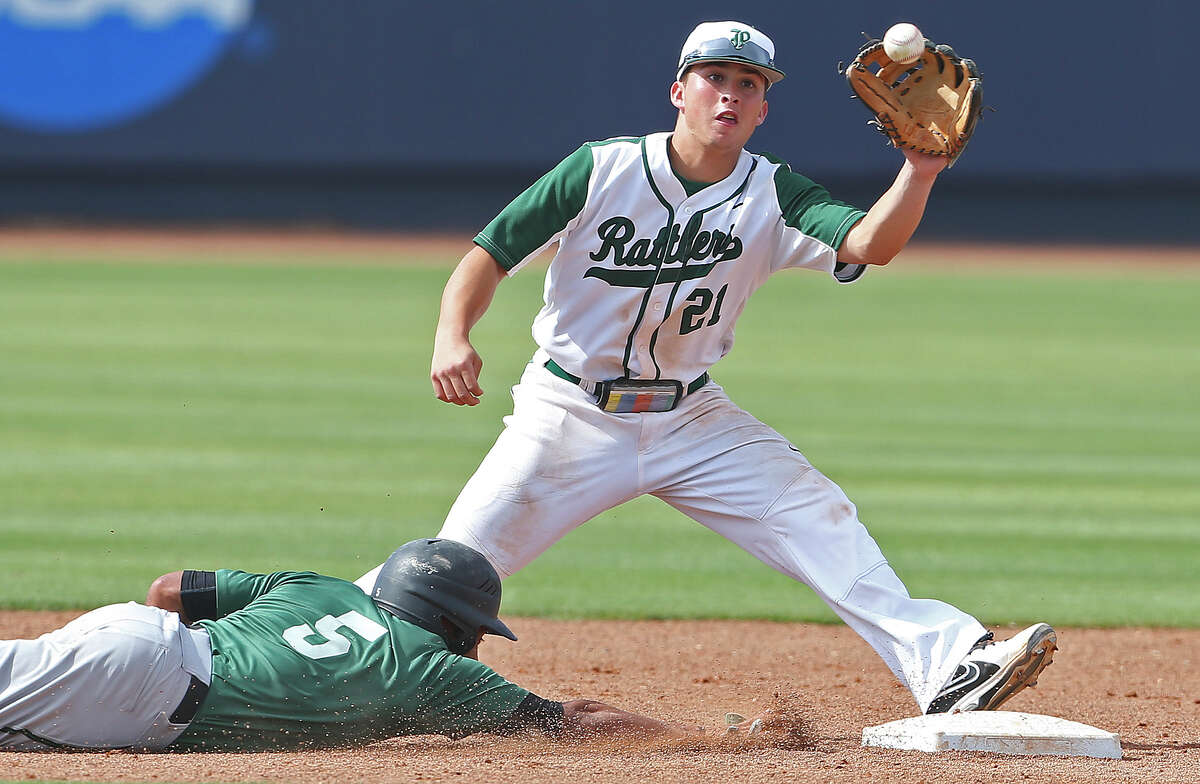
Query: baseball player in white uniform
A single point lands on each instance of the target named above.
(661, 240)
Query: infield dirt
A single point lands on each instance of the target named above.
(1141, 683)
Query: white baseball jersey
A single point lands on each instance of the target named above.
(650, 275)
(649, 280)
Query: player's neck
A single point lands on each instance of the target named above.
(694, 161)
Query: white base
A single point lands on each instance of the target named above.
(1001, 732)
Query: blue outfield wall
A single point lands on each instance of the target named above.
(396, 114)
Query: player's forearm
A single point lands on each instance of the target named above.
(588, 718)
(468, 294)
(892, 220)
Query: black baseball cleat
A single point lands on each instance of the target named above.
(994, 671)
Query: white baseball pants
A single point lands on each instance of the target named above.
(107, 680)
(561, 461)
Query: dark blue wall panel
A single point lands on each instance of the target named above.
(386, 94)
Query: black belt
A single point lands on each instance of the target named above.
(590, 386)
(193, 698)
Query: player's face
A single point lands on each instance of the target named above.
(722, 103)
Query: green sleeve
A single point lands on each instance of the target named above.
(541, 212)
(465, 696)
(236, 589)
(808, 207)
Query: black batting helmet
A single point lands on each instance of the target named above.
(444, 587)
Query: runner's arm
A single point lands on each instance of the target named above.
(164, 593)
(191, 593)
(581, 719)
(588, 718)
(204, 595)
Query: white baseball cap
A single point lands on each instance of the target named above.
(732, 42)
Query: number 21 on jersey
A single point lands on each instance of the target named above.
(692, 317)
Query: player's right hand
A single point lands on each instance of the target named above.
(455, 372)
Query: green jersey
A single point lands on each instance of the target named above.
(304, 660)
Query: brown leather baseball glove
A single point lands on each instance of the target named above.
(930, 105)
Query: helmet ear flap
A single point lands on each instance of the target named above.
(445, 588)
(458, 639)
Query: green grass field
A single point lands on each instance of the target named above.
(1025, 445)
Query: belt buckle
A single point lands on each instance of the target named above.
(637, 395)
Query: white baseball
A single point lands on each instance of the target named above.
(903, 43)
